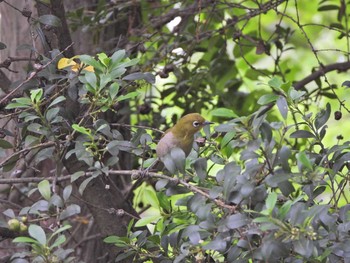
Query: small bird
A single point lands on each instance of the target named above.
(181, 135)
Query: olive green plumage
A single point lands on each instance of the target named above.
(181, 135)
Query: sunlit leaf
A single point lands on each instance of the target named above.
(223, 112)
(45, 189)
(65, 62)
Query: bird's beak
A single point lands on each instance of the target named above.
(207, 123)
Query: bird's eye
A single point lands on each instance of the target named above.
(196, 124)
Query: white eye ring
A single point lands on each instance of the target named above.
(196, 124)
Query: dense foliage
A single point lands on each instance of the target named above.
(269, 183)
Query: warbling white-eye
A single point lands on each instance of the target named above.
(181, 135)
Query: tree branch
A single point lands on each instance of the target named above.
(34, 179)
(342, 66)
(136, 173)
(133, 173)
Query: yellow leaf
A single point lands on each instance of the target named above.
(75, 67)
(65, 62)
(89, 68)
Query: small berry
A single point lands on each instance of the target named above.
(337, 115)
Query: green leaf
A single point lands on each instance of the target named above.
(129, 63)
(15, 105)
(200, 166)
(59, 241)
(61, 229)
(178, 157)
(9, 213)
(122, 256)
(147, 220)
(56, 101)
(120, 145)
(104, 80)
(244, 46)
(24, 240)
(24, 101)
(91, 79)
(86, 59)
(322, 117)
(37, 128)
(295, 94)
(116, 73)
(44, 189)
(140, 75)
(113, 90)
(81, 129)
(267, 98)
(337, 25)
(115, 240)
(44, 154)
(67, 191)
(84, 184)
(236, 221)
(28, 117)
(151, 197)
(118, 56)
(262, 219)
(76, 175)
(51, 114)
(164, 201)
(227, 138)
(104, 59)
(128, 96)
(346, 84)
(276, 83)
(282, 106)
(302, 134)
(271, 201)
(50, 20)
(69, 211)
(36, 95)
(224, 112)
(37, 233)
(10, 164)
(217, 244)
(328, 8)
(304, 159)
(304, 247)
(5, 144)
(19, 103)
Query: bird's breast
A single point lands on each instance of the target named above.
(169, 141)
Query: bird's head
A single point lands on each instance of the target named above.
(189, 124)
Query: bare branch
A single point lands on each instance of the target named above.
(343, 66)
(33, 179)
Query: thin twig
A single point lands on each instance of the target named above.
(41, 145)
(33, 179)
(33, 74)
